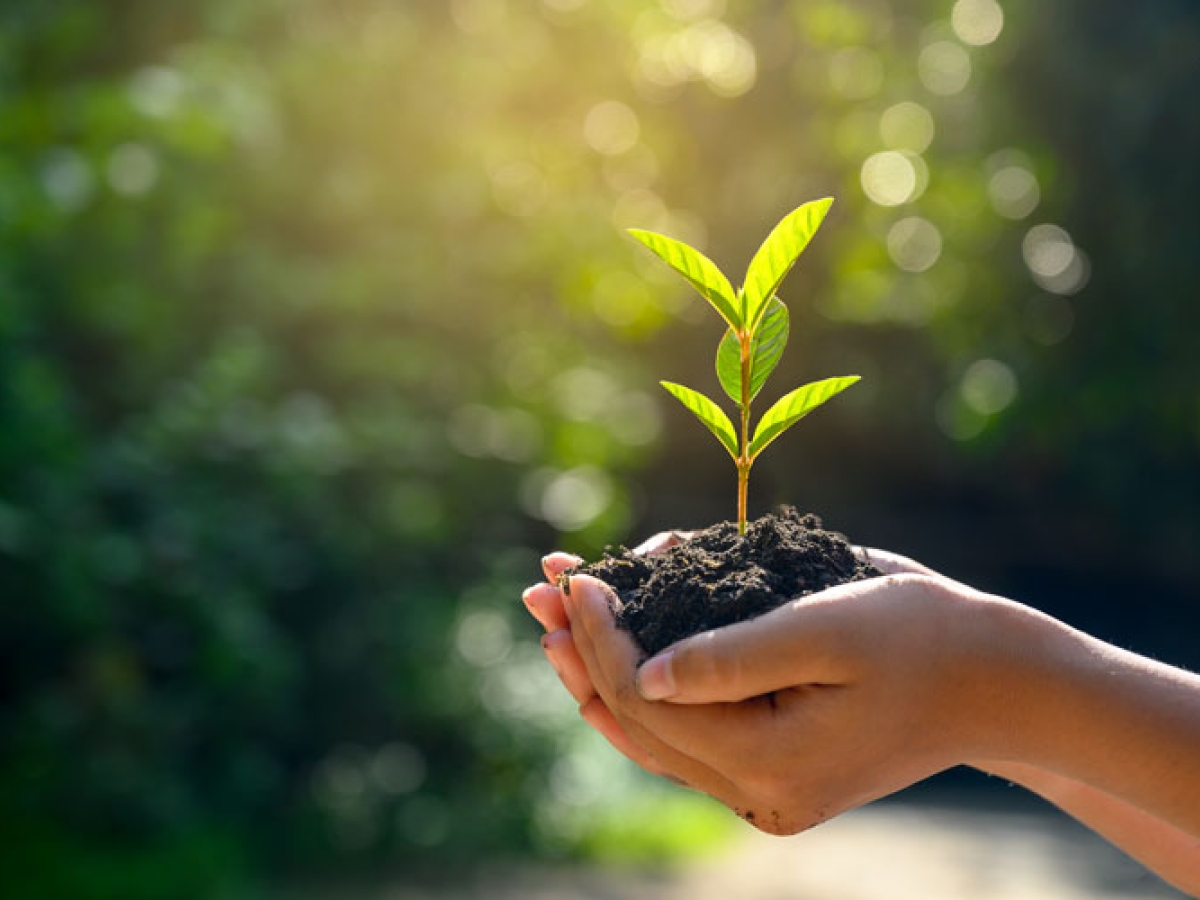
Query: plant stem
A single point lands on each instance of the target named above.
(743, 462)
(743, 483)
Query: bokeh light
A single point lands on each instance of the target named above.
(944, 68)
(907, 126)
(132, 169)
(707, 50)
(611, 128)
(890, 178)
(1054, 261)
(914, 244)
(856, 73)
(977, 22)
(1014, 191)
(988, 386)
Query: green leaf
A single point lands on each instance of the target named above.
(765, 350)
(698, 269)
(777, 255)
(708, 413)
(791, 408)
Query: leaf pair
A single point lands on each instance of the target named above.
(770, 265)
(786, 412)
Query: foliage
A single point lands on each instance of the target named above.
(262, 455)
(754, 340)
(316, 328)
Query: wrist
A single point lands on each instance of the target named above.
(1010, 659)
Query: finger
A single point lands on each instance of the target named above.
(554, 564)
(600, 717)
(562, 655)
(890, 563)
(545, 603)
(800, 643)
(695, 742)
(662, 542)
(564, 658)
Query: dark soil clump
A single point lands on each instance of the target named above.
(717, 577)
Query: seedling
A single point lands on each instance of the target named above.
(754, 340)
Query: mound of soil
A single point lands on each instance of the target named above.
(718, 577)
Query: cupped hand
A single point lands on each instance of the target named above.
(800, 714)
(545, 603)
(815, 708)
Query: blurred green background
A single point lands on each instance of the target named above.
(318, 327)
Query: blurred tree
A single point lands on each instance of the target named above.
(278, 337)
(315, 319)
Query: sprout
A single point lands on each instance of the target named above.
(754, 340)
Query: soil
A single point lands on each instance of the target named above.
(717, 577)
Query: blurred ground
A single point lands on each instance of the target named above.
(890, 851)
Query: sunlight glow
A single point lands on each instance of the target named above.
(708, 51)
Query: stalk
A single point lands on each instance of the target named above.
(743, 462)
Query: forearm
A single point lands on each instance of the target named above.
(1101, 716)
(1164, 849)
(1041, 694)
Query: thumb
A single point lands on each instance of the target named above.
(796, 644)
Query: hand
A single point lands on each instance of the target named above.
(815, 708)
(545, 603)
(613, 717)
(1102, 732)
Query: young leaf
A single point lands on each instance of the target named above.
(698, 269)
(792, 407)
(707, 412)
(777, 255)
(766, 347)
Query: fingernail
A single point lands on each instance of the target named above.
(553, 562)
(535, 606)
(530, 595)
(655, 680)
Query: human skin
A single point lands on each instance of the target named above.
(856, 692)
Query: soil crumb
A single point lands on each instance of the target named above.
(718, 577)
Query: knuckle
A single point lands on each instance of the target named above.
(701, 665)
(625, 696)
(591, 709)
